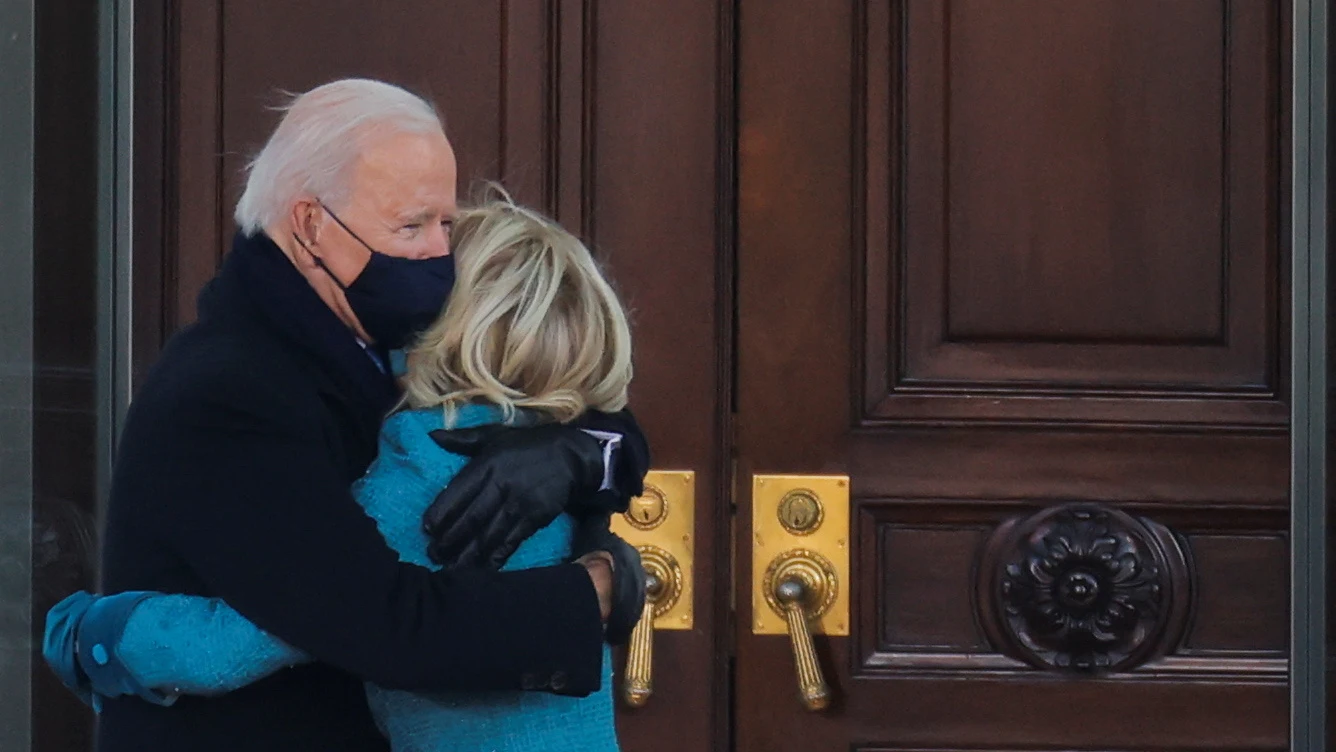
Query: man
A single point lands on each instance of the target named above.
(233, 472)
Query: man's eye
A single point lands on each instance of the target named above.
(448, 225)
(412, 227)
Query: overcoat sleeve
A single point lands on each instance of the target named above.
(264, 518)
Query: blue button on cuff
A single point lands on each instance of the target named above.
(99, 634)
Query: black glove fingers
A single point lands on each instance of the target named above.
(466, 441)
(505, 533)
(489, 532)
(518, 481)
(454, 501)
(591, 535)
(462, 543)
(608, 501)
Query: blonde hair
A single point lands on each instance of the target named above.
(531, 323)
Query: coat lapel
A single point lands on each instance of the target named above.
(259, 285)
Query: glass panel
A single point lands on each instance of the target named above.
(16, 387)
(1331, 434)
(1312, 378)
(1330, 464)
(63, 320)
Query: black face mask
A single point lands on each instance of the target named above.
(394, 298)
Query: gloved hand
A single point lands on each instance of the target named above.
(60, 643)
(80, 642)
(633, 457)
(517, 482)
(594, 534)
(521, 478)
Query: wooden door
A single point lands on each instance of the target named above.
(1015, 267)
(613, 116)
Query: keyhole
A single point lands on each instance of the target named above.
(799, 512)
(647, 511)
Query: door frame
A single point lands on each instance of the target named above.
(115, 241)
(1308, 404)
(157, 276)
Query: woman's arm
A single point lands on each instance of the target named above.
(199, 646)
(158, 646)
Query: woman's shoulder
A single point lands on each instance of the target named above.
(406, 444)
(411, 429)
(429, 419)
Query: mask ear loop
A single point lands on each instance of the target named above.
(319, 261)
(347, 229)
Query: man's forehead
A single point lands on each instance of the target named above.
(408, 177)
(429, 156)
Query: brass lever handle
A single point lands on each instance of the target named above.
(801, 585)
(812, 687)
(640, 653)
(663, 586)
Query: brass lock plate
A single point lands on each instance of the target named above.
(793, 514)
(649, 511)
(662, 524)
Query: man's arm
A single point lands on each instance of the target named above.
(264, 519)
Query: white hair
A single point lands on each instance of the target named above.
(318, 141)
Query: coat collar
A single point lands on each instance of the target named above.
(258, 285)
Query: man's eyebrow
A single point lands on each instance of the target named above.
(418, 217)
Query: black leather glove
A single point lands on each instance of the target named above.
(628, 575)
(521, 477)
(633, 459)
(517, 482)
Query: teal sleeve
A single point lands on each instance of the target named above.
(182, 644)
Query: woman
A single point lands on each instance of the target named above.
(533, 333)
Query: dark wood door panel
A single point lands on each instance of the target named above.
(928, 570)
(657, 197)
(1049, 217)
(1234, 472)
(1120, 193)
(488, 71)
(994, 259)
(988, 712)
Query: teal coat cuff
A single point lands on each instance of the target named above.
(100, 635)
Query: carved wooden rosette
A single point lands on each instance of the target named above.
(1083, 588)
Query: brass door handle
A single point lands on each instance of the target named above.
(663, 586)
(640, 653)
(801, 585)
(661, 524)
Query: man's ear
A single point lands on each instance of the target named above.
(307, 221)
